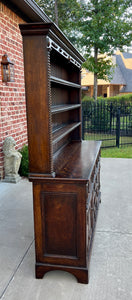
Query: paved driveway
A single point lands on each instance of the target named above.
(111, 260)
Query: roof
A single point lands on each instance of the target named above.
(124, 61)
(118, 77)
(122, 73)
(127, 55)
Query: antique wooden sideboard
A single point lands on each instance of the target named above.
(65, 170)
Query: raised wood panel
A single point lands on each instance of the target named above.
(59, 211)
(60, 221)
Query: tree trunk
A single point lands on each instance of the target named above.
(56, 13)
(95, 87)
(95, 74)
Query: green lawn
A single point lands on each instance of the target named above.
(123, 152)
(110, 141)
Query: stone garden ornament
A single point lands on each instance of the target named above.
(12, 160)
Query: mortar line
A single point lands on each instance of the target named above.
(15, 271)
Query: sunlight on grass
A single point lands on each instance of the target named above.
(124, 152)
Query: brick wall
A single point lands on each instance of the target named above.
(12, 94)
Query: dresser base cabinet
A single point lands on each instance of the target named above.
(65, 211)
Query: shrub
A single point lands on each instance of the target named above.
(124, 102)
(87, 98)
(24, 167)
(98, 116)
(119, 98)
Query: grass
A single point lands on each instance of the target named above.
(109, 140)
(123, 152)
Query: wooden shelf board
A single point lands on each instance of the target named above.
(64, 82)
(62, 108)
(62, 132)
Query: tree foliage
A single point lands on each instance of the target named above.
(95, 27)
(105, 26)
(63, 12)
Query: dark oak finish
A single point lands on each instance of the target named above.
(64, 170)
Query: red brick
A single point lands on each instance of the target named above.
(13, 107)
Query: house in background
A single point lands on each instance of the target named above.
(121, 82)
(12, 93)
